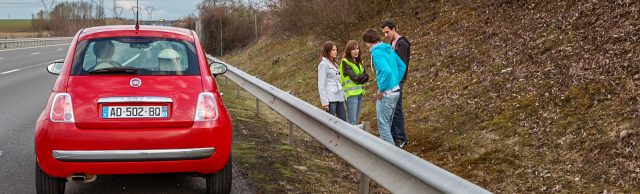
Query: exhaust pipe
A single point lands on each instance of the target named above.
(82, 178)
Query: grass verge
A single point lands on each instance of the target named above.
(260, 149)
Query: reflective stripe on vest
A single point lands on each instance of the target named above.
(351, 88)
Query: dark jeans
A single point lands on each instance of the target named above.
(338, 109)
(397, 125)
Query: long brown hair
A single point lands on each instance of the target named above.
(326, 51)
(351, 45)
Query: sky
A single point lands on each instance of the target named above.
(162, 9)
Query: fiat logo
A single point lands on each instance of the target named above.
(135, 82)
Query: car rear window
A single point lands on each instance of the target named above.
(143, 55)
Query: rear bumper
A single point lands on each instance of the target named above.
(62, 149)
(133, 155)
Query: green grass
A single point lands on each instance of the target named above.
(15, 25)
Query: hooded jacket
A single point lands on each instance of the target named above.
(329, 86)
(388, 65)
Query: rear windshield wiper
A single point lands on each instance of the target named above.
(115, 70)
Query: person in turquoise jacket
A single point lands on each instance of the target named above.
(389, 70)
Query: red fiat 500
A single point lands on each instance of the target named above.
(133, 101)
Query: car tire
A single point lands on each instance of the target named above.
(46, 184)
(220, 182)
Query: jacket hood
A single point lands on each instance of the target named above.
(384, 47)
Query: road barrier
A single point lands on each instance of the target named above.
(394, 169)
(32, 42)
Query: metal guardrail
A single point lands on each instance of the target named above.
(31, 42)
(394, 169)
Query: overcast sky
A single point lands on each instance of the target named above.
(163, 9)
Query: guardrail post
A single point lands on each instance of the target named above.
(364, 180)
(364, 183)
(238, 92)
(257, 103)
(257, 107)
(290, 140)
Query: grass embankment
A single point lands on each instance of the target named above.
(17, 28)
(516, 96)
(15, 25)
(261, 152)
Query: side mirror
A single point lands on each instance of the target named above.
(55, 67)
(217, 68)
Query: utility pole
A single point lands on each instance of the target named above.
(119, 14)
(254, 8)
(220, 35)
(115, 9)
(149, 12)
(47, 4)
(135, 10)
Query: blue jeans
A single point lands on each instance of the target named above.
(397, 125)
(384, 110)
(354, 108)
(337, 109)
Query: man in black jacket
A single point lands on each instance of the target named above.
(403, 48)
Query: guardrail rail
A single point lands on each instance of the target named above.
(394, 169)
(32, 42)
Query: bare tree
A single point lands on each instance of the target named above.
(67, 18)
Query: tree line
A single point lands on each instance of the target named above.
(232, 24)
(66, 18)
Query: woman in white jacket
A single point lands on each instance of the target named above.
(332, 96)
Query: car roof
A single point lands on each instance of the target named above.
(144, 29)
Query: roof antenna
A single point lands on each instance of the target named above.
(137, 13)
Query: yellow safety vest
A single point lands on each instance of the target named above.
(351, 88)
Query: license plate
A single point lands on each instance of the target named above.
(114, 112)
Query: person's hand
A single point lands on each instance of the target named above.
(326, 107)
(379, 95)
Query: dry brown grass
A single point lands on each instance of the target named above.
(261, 151)
(516, 96)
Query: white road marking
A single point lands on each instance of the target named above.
(129, 61)
(10, 71)
(152, 45)
(0, 152)
(59, 49)
(35, 53)
(1, 58)
(33, 47)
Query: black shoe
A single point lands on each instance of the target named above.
(397, 143)
(402, 144)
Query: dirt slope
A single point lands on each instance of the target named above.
(516, 96)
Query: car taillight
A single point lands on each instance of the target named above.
(207, 108)
(62, 109)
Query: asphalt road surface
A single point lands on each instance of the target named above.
(24, 88)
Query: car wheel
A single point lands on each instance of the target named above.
(46, 184)
(220, 182)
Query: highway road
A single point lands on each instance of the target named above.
(24, 88)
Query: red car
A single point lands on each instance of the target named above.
(133, 101)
